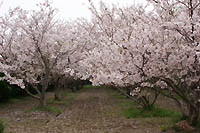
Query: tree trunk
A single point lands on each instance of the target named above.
(193, 116)
(58, 89)
(58, 93)
(43, 98)
(44, 88)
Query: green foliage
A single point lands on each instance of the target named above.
(5, 91)
(155, 112)
(1, 126)
(17, 92)
(8, 91)
(51, 87)
(51, 109)
(77, 84)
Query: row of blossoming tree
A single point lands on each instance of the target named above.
(37, 49)
(136, 50)
(149, 51)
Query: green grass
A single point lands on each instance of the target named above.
(51, 109)
(119, 96)
(13, 101)
(115, 94)
(59, 102)
(176, 119)
(127, 103)
(69, 94)
(164, 128)
(121, 99)
(91, 86)
(155, 112)
(1, 126)
(100, 86)
(54, 105)
(16, 100)
(88, 86)
(172, 125)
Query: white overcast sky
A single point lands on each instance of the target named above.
(68, 9)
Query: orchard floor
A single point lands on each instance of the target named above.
(91, 111)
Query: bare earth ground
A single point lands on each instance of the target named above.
(92, 111)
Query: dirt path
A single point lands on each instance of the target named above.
(92, 111)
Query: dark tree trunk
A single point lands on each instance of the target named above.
(43, 99)
(58, 93)
(58, 89)
(193, 116)
(44, 88)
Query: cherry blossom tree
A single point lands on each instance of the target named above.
(37, 49)
(179, 21)
(155, 50)
(130, 47)
(112, 61)
(33, 46)
(75, 44)
(30, 50)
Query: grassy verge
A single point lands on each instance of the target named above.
(51, 109)
(162, 118)
(121, 99)
(56, 106)
(131, 109)
(155, 112)
(67, 97)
